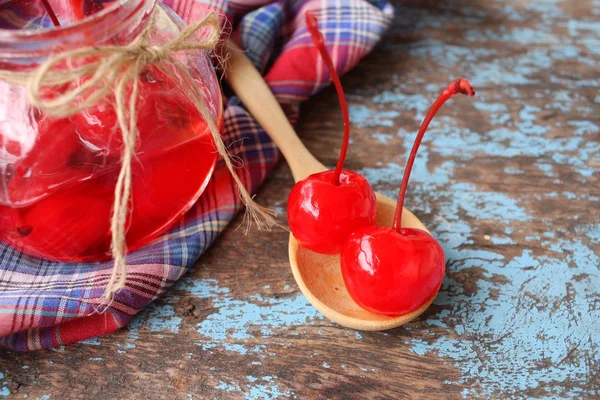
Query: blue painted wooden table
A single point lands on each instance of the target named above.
(508, 182)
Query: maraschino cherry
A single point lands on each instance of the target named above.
(395, 271)
(326, 207)
(163, 107)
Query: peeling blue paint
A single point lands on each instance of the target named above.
(381, 137)
(163, 318)
(127, 345)
(228, 387)
(545, 167)
(476, 204)
(156, 318)
(265, 389)
(92, 342)
(592, 231)
(526, 138)
(490, 107)
(237, 319)
(516, 334)
(362, 116)
(502, 240)
(267, 392)
(583, 127)
(436, 50)
(417, 102)
(238, 348)
(522, 325)
(539, 329)
(512, 171)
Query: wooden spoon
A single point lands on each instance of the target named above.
(318, 276)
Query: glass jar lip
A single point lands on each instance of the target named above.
(93, 27)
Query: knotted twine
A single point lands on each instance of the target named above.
(95, 73)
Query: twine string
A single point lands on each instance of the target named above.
(94, 74)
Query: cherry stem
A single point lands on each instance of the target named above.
(77, 7)
(457, 86)
(50, 12)
(319, 41)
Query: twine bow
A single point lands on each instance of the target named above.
(95, 73)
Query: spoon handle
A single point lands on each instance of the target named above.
(256, 95)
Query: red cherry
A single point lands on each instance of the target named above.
(55, 160)
(322, 214)
(166, 186)
(64, 226)
(166, 119)
(85, 149)
(9, 221)
(395, 271)
(98, 126)
(326, 207)
(73, 224)
(392, 273)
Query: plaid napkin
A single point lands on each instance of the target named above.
(45, 304)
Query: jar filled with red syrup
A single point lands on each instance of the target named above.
(58, 175)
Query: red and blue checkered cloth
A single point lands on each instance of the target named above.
(45, 304)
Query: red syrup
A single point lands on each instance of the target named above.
(71, 171)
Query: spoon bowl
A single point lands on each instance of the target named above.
(320, 279)
(318, 276)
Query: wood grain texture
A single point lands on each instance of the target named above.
(507, 181)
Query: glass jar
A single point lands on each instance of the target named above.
(58, 175)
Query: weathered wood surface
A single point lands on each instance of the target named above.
(507, 181)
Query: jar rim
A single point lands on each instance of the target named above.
(90, 29)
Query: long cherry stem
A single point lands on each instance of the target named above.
(317, 37)
(77, 7)
(458, 86)
(50, 12)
